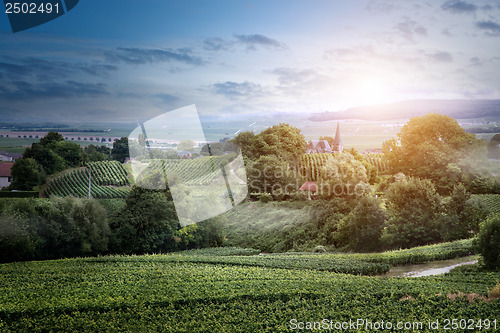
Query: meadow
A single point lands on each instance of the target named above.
(181, 293)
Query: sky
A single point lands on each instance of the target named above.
(128, 60)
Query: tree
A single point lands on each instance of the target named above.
(429, 147)
(51, 137)
(488, 242)
(362, 228)
(494, 147)
(97, 153)
(343, 176)
(48, 159)
(414, 214)
(464, 215)
(71, 152)
(120, 150)
(26, 173)
(213, 149)
(271, 175)
(147, 223)
(244, 141)
(329, 139)
(187, 145)
(283, 141)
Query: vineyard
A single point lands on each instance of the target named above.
(492, 201)
(311, 164)
(162, 293)
(199, 171)
(378, 162)
(109, 181)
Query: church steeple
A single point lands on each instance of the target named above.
(337, 146)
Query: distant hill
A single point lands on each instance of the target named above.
(458, 109)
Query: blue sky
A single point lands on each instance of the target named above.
(129, 60)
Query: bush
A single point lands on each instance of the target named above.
(414, 214)
(362, 228)
(488, 242)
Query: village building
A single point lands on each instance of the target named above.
(5, 174)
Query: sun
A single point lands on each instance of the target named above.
(372, 91)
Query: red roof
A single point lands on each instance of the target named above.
(5, 169)
(309, 186)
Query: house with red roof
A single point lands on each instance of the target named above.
(5, 174)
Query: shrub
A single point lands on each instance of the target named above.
(362, 228)
(488, 242)
(414, 211)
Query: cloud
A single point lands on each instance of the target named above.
(490, 28)
(166, 98)
(290, 76)
(45, 70)
(97, 69)
(137, 56)
(458, 7)
(28, 92)
(475, 61)
(232, 90)
(409, 29)
(441, 57)
(216, 44)
(381, 7)
(252, 41)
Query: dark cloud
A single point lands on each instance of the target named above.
(137, 56)
(97, 69)
(233, 90)
(216, 44)
(475, 61)
(166, 98)
(409, 29)
(252, 41)
(441, 57)
(490, 28)
(29, 92)
(45, 70)
(458, 7)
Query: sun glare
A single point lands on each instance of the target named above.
(372, 91)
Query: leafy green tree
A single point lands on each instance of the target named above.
(48, 159)
(271, 175)
(120, 150)
(71, 152)
(147, 224)
(215, 149)
(362, 228)
(430, 147)
(187, 145)
(244, 140)
(97, 153)
(488, 242)
(414, 214)
(283, 141)
(463, 215)
(26, 173)
(50, 138)
(343, 176)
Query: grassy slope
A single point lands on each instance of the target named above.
(256, 224)
(155, 293)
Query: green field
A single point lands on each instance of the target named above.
(180, 293)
